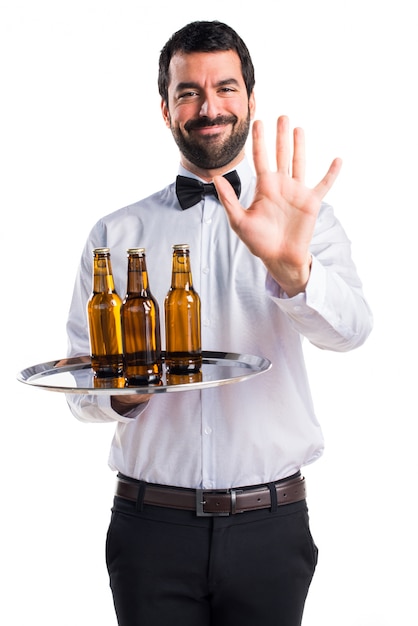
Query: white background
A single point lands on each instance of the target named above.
(81, 136)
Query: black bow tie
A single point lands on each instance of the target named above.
(190, 190)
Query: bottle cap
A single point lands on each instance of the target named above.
(136, 251)
(101, 250)
(181, 246)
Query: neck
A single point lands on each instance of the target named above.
(207, 175)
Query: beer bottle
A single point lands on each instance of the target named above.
(184, 378)
(141, 335)
(182, 317)
(103, 312)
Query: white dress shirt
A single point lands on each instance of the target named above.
(251, 432)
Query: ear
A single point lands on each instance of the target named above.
(166, 113)
(251, 105)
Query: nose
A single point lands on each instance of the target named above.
(208, 106)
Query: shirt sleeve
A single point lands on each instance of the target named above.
(332, 313)
(90, 408)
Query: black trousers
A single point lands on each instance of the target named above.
(170, 567)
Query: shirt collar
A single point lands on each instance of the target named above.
(243, 169)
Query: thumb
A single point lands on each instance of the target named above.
(229, 200)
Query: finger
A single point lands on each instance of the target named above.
(299, 156)
(282, 145)
(326, 183)
(259, 149)
(229, 200)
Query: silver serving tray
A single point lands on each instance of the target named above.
(74, 375)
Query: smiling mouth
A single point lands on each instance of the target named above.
(208, 125)
(210, 130)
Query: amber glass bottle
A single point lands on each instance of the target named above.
(182, 317)
(103, 311)
(185, 378)
(140, 317)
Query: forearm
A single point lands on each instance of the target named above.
(292, 280)
(129, 405)
(331, 313)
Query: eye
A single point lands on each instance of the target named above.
(227, 90)
(187, 94)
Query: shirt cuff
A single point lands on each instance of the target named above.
(104, 403)
(312, 298)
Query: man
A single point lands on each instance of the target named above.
(272, 265)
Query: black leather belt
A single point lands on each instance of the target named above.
(219, 502)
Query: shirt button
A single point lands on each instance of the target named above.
(208, 430)
(208, 221)
(205, 270)
(206, 322)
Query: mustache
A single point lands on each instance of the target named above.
(204, 122)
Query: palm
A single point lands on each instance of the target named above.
(279, 224)
(280, 221)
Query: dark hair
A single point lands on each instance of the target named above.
(204, 37)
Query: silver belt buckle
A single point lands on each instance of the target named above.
(200, 502)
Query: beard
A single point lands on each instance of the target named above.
(209, 152)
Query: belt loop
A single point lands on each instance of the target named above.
(139, 506)
(273, 497)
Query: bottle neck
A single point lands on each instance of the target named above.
(181, 277)
(137, 276)
(102, 275)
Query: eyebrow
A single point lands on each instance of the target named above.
(192, 85)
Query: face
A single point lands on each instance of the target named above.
(208, 110)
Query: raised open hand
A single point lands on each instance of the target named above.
(279, 224)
